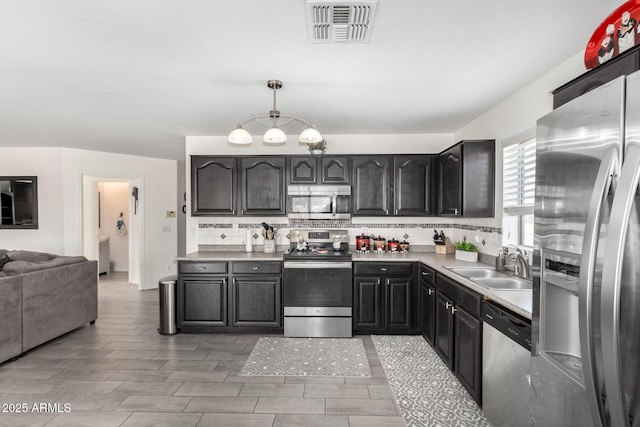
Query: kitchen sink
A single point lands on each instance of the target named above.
(477, 272)
(509, 283)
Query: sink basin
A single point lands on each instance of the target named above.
(503, 283)
(477, 272)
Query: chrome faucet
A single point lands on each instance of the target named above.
(521, 267)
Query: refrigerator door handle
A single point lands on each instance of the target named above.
(611, 284)
(586, 282)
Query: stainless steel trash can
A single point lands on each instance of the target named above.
(167, 289)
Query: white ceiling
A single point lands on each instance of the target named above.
(136, 76)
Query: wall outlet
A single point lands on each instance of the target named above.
(166, 228)
(234, 226)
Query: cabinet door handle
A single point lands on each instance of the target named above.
(396, 212)
(430, 291)
(455, 211)
(256, 268)
(447, 305)
(201, 268)
(383, 269)
(453, 310)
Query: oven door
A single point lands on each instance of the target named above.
(317, 284)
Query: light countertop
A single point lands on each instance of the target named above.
(518, 301)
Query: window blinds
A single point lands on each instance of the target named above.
(519, 177)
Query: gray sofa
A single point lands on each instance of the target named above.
(43, 296)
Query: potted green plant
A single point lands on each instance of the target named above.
(317, 147)
(466, 251)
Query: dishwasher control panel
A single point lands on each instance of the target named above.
(510, 324)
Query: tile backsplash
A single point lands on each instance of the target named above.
(487, 237)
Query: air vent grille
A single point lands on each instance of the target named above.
(331, 22)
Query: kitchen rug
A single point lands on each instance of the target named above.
(336, 357)
(427, 392)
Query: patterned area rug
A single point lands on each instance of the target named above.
(338, 357)
(427, 393)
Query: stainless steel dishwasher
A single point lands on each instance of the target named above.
(506, 355)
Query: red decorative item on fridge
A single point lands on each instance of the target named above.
(615, 35)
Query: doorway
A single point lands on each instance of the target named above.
(111, 213)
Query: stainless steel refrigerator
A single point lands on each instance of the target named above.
(586, 296)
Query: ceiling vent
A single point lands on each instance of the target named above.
(340, 21)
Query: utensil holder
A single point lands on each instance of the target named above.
(269, 246)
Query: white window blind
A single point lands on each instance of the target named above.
(519, 177)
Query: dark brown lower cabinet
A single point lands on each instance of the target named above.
(203, 301)
(444, 330)
(427, 311)
(383, 297)
(468, 348)
(458, 333)
(230, 297)
(256, 301)
(398, 300)
(367, 310)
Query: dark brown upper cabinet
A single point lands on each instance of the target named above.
(335, 170)
(413, 185)
(621, 65)
(263, 185)
(213, 185)
(371, 184)
(466, 179)
(302, 170)
(319, 170)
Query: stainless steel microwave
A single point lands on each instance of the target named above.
(319, 201)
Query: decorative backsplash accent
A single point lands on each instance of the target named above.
(488, 239)
(348, 224)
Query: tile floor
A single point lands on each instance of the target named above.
(121, 372)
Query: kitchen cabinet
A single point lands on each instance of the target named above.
(302, 170)
(230, 297)
(617, 66)
(213, 185)
(458, 336)
(371, 179)
(466, 179)
(383, 296)
(311, 170)
(202, 295)
(335, 170)
(263, 185)
(413, 185)
(256, 289)
(405, 190)
(427, 303)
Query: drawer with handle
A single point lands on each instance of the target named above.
(427, 274)
(203, 267)
(257, 267)
(398, 269)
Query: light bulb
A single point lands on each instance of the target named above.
(310, 136)
(274, 136)
(240, 136)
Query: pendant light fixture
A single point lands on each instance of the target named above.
(274, 135)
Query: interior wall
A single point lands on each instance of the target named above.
(59, 172)
(114, 199)
(159, 241)
(181, 214)
(46, 164)
(519, 113)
